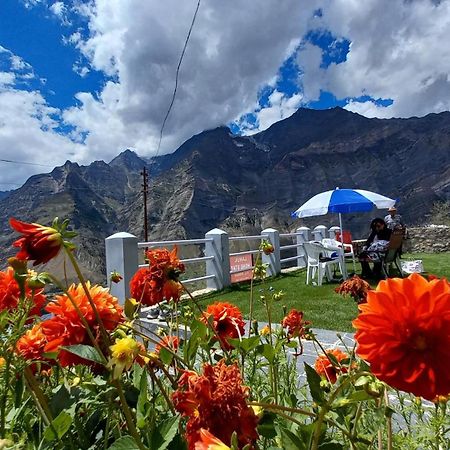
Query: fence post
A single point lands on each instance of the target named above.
(273, 259)
(333, 231)
(320, 232)
(302, 237)
(219, 247)
(122, 257)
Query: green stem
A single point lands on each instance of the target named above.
(81, 316)
(388, 423)
(250, 313)
(325, 408)
(88, 295)
(128, 416)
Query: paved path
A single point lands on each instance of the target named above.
(329, 339)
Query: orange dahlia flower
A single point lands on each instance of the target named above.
(326, 369)
(170, 342)
(356, 287)
(403, 332)
(216, 400)
(31, 345)
(38, 243)
(226, 320)
(296, 326)
(10, 293)
(66, 327)
(107, 306)
(167, 261)
(209, 442)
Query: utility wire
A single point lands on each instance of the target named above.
(24, 162)
(176, 78)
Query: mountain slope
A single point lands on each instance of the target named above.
(242, 184)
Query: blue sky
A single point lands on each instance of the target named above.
(84, 80)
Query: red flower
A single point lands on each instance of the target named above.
(226, 320)
(295, 324)
(355, 287)
(160, 280)
(326, 369)
(209, 442)
(39, 244)
(403, 332)
(172, 290)
(10, 293)
(146, 287)
(170, 342)
(216, 401)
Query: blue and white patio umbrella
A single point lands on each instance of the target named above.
(341, 201)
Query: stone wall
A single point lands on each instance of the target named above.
(430, 239)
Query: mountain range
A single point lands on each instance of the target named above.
(241, 183)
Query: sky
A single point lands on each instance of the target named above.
(85, 80)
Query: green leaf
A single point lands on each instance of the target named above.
(59, 427)
(245, 344)
(291, 441)
(331, 446)
(166, 356)
(85, 351)
(267, 351)
(142, 403)
(60, 400)
(266, 425)
(164, 433)
(314, 379)
(124, 443)
(19, 389)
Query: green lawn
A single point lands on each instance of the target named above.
(321, 305)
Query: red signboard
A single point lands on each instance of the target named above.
(241, 262)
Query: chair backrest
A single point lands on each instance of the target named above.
(395, 243)
(314, 251)
(346, 235)
(328, 242)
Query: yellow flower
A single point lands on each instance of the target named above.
(2, 362)
(265, 331)
(123, 353)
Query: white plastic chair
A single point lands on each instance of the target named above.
(314, 252)
(348, 249)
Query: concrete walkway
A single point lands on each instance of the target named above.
(328, 338)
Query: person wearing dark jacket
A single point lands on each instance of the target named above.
(377, 242)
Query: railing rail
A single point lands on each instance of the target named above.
(122, 255)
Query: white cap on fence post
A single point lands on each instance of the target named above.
(320, 232)
(333, 231)
(219, 266)
(273, 259)
(303, 235)
(122, 257)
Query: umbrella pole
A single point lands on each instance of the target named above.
(344, 267)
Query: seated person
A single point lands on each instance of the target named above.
(393, 220)
(377, 242)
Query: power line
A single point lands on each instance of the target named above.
(24, 162)
(176, 77)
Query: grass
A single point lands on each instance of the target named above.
(320, 304)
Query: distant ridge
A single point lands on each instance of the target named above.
(242, 183)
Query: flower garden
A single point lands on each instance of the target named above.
(81, 371)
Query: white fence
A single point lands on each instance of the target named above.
(122, 254)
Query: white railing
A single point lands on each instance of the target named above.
(123, 249)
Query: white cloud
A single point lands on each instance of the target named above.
(235, 49)
(399, 51)
(28, 134)
(279, 107)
